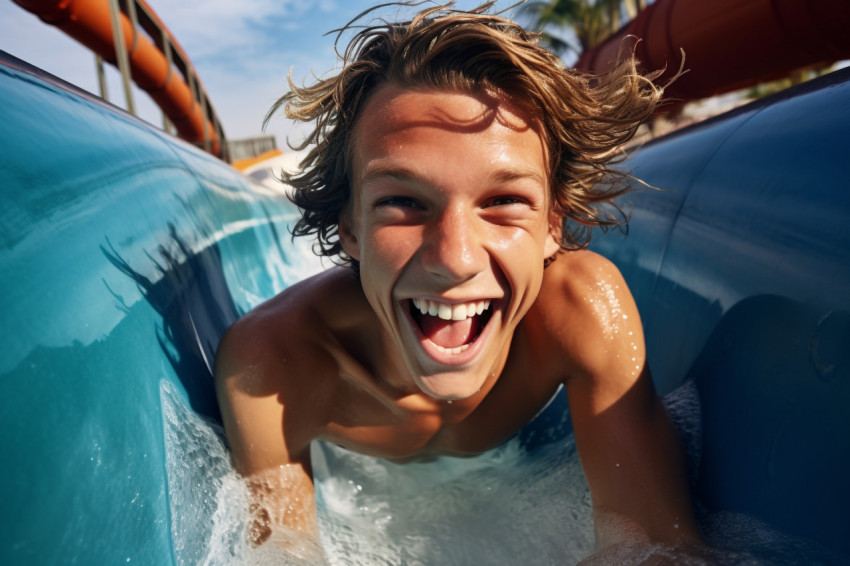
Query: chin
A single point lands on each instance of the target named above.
(450, 387)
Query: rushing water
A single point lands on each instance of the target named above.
(525, 502)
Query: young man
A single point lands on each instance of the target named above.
(452, 155)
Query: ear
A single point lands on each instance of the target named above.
(551, 247)
(553, 239)
(347, 237)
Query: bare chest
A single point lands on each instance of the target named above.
(413, 428)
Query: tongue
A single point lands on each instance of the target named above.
(449, 333)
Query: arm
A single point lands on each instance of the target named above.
(630, 451)
(269, 437)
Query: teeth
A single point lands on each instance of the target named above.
(459, 312)
(447, 311)
(454, 351)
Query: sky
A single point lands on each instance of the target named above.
(241, 49)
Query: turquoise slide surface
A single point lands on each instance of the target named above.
(125, 254)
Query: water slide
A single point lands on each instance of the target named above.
(151, 55)
(728, 44)
(126, 253)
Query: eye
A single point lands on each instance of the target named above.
(505, 200)
(398, 201)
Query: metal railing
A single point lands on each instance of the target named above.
(251, 147)
(112, 29)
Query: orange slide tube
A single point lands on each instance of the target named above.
(88, 21)
(729, 44)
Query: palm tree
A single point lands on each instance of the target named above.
(633, 7)
(590, 21)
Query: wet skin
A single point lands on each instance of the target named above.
(450, 207)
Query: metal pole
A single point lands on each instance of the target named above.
(166, 49)
(121, 54)
(101, 76)
(207, 144)
(224, 152)
(134, 22)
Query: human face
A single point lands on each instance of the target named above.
(449, 214)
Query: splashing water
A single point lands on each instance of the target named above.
(525, 502)
(506, 506)
(493, 508)
(208, 501)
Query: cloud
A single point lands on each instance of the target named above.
(242, 51)
(226, 30)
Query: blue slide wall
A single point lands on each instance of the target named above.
(740, 265)
(125, 253)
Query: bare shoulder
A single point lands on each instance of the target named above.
(294, 320)
(580, 272)
(590, 313)
(272, 367)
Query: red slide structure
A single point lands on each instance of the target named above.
(729, 44)
(153, 59)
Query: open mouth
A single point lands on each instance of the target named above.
(451, 328)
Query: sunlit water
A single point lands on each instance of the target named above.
(525, 502)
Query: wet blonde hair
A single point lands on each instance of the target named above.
(584, 120)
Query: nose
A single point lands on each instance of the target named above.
(453, 247)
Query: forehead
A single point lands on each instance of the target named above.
(423, 125)
(454, 110)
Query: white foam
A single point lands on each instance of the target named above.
(503, 507)
(207, 499)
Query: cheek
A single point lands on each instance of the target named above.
(510, 240)
(390, 248)
(520, 258)
(518, 246)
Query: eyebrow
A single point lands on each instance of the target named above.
(405, 174)
(391, 171)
